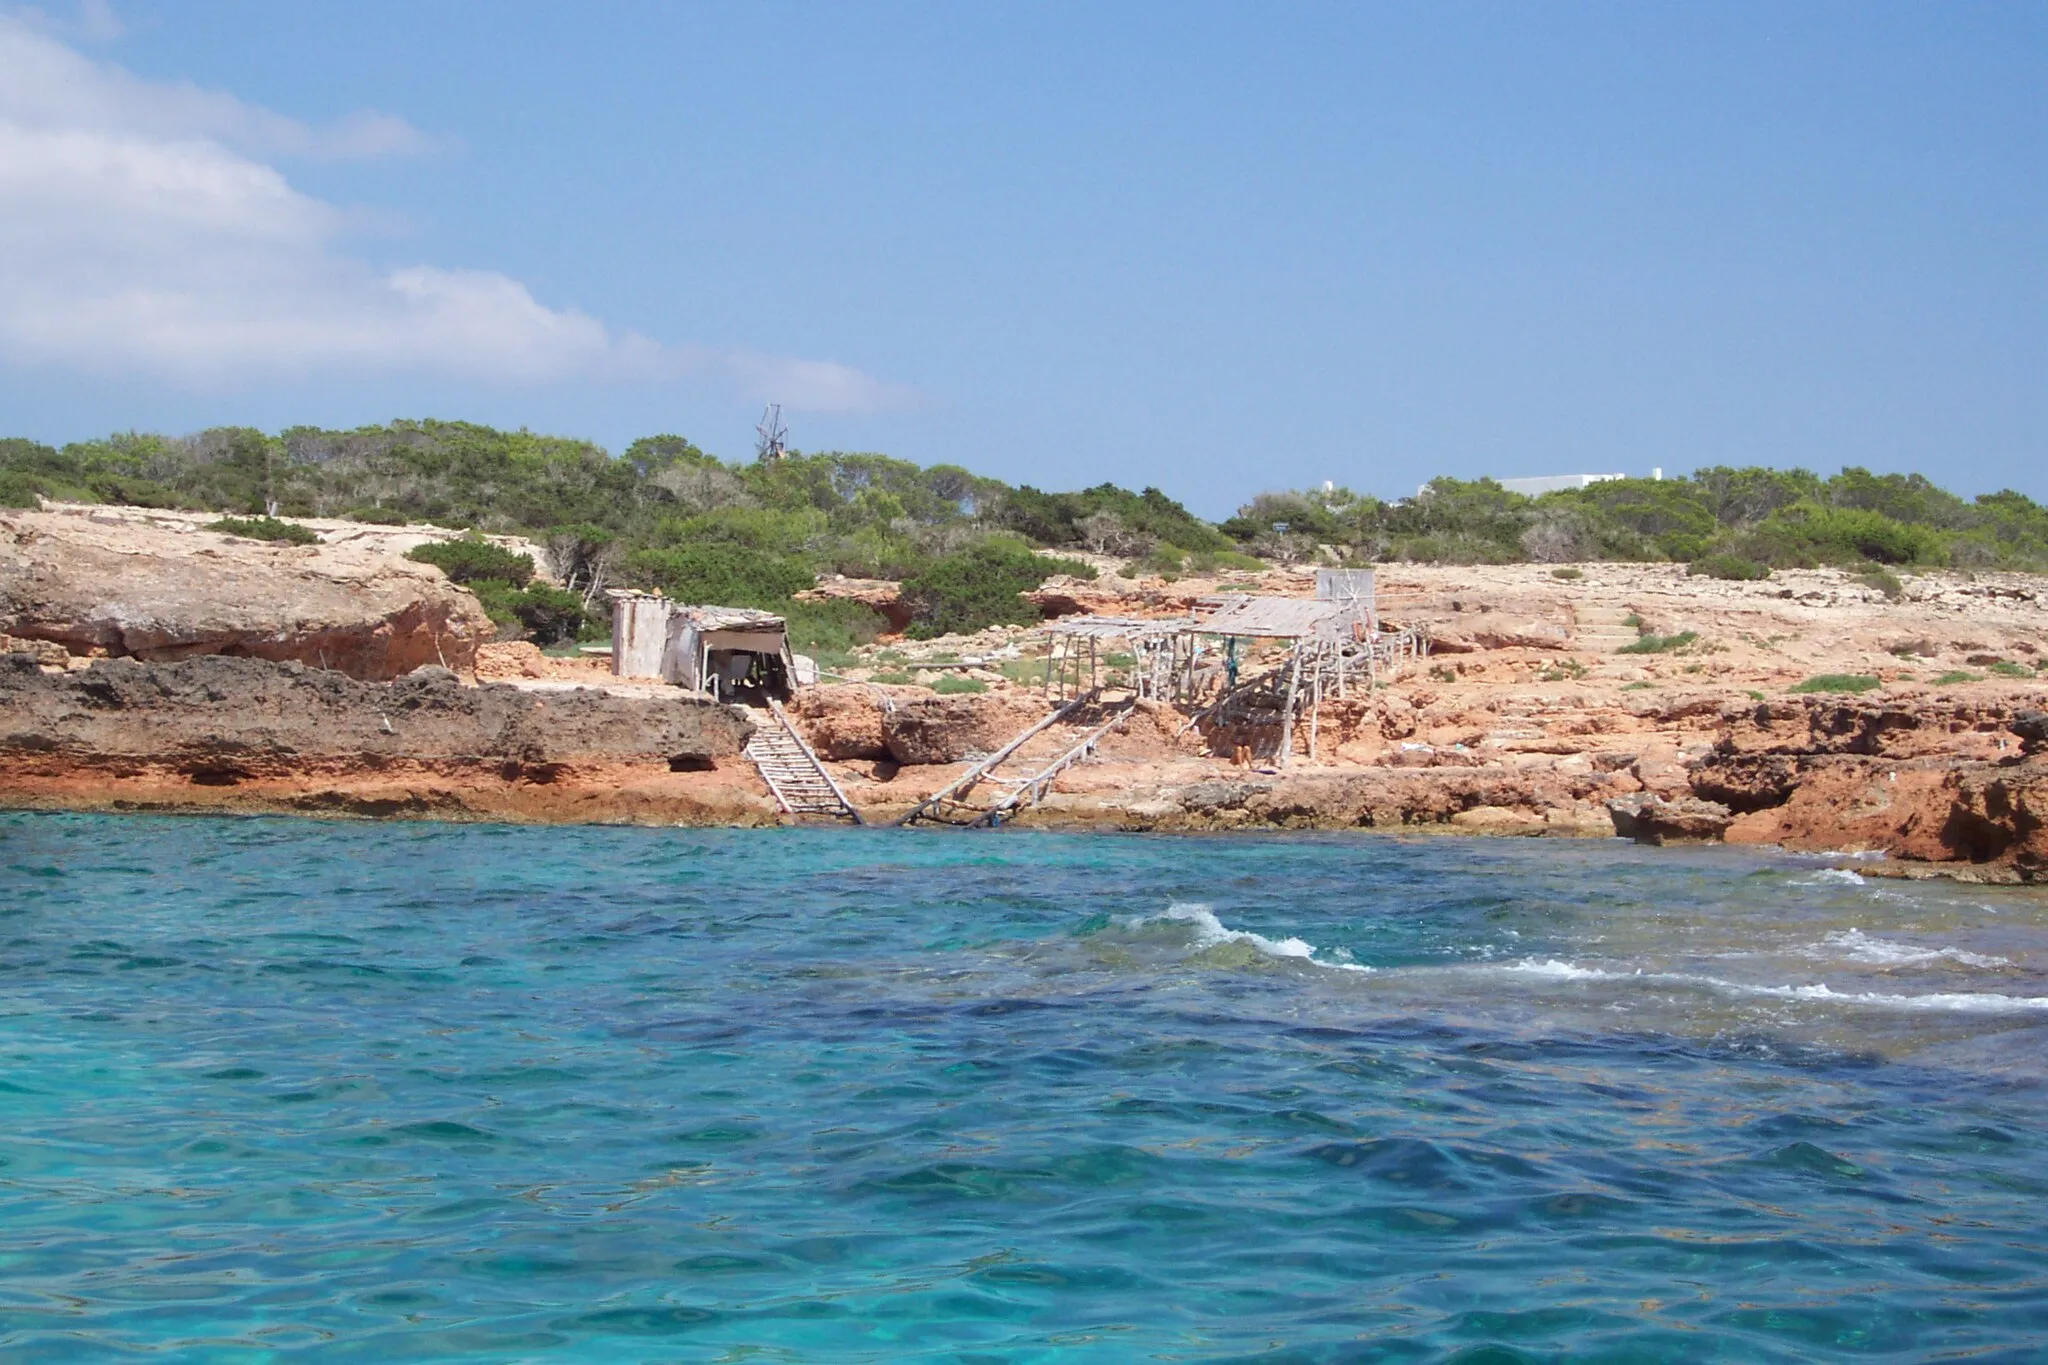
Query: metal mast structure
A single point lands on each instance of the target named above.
(772, 437)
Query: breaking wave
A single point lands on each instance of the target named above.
(1830, 875)
(1209, 932)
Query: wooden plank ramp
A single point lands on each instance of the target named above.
(797, 780)
(951, 804)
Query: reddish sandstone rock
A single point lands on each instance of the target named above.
(843, 722)
(510, 659)
(936, 729)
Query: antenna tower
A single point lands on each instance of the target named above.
(772, 441)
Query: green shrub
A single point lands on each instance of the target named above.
(1950, 679)
(1659, 644)
(496, 597)
(134, 492)
(1640, 687)
(1166, 561)
(1840, 682)
(2005, 668)
(714, 574)
(550, 615)
(543, 614)
(375, 516)
(1218, 561)
(264, 528)
(831, 631)
(472, 560)
(953, 684)
(1733, 567)
(895, 677)
(19, 490)
(1807, 533)
(1886, 583)
(1567, 574)
(981, 586)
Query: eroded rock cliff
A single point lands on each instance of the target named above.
(227, 733)
(123, 587)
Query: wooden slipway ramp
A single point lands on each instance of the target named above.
(795, 777)
(1020, 774)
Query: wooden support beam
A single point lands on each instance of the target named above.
(1315, 706)
(1287, 710)
(978, 771)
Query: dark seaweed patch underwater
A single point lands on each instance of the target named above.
(280, 1089)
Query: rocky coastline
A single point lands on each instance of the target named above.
(146, 666)
(1939, 786)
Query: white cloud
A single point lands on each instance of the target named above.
(49, 85)
(142, 230)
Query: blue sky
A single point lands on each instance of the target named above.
(1217, 248)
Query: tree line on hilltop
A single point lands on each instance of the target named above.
(665, 514)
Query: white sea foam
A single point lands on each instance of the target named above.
(1858, 946)
(1965, 1002)
(1971, 1002)
(1557, 971)
(1210, 931)
(1827, 875)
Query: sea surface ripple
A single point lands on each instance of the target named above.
(349, 1092)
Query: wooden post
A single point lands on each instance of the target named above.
(1315, 705)
(1287, 709)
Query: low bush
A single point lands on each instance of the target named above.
(1953, 677)
(264, 528)
(723, 575)
(1733, 567)
(1567, 574)
(472, 560)
(1164, 561)
(545, 615)
(981, 586)
(550, 615)
(954, 685)
(831, 631)
(1808, 533)
(1884, 582)
(19, 490)
(2005, 668)
(375, 516)
(1840, 682)
(1659, 644)
(1218, 561)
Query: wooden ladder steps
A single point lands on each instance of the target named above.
(795, 777)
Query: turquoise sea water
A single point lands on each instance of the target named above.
(353, 1092)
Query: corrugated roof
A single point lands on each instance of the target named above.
(1119, 627)
(709, 617)
(1274, 618)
